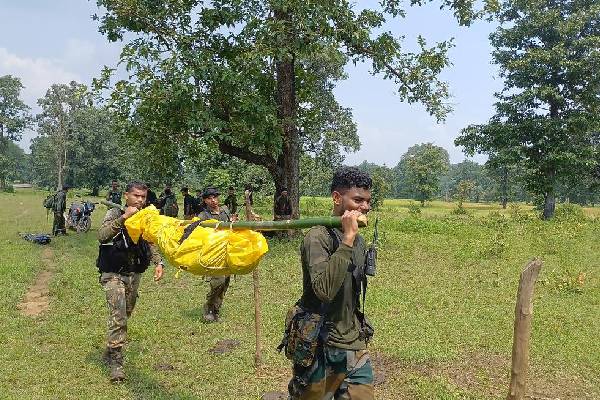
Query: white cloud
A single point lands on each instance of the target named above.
(36, 74)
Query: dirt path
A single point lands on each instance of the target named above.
(36, 299)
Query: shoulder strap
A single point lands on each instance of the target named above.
(334, 239)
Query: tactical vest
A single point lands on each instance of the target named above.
(122, 256)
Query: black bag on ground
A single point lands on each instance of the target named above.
(39, 238)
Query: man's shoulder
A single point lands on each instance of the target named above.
(317, 234)
(112, 213)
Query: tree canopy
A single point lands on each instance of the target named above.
(257, 77)
(547, 117)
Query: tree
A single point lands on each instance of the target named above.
(257, 77)
(548, 113)
(14, 119)
(422, 166)
(57, 122)
(467, 170)
(97, 157)
(382, 178)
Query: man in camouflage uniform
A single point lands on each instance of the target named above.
(218, 284)
(60, 205)
(121, 263)
(231, 200)
(332, 260)
(114, 194)
(168, 202)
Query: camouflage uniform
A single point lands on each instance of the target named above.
(231, 203)
(342, 368)
(169, 204)
(121, 289)
(218, 284)
(114, 196)
(60, 205)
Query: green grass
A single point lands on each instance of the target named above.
(442, 305)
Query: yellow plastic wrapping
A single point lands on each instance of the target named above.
(206, 251)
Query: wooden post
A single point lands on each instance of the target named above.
(522, 332)
(257, 319)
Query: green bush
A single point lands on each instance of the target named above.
(414, 209)
(569, 212)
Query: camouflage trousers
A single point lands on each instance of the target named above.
(121, 295)
(216, 294)
(338, 374)
(58, 225)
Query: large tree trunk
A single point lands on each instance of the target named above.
(60, 170)
(549, 204)
(287, 173)
(504, 187)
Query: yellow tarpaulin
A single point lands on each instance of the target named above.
(206, 251)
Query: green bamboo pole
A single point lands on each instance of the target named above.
(330, 222)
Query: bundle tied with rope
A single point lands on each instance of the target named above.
(212, 248)
(205, 251)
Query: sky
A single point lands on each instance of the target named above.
(46, 42)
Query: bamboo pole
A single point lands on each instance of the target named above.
(330, 222)
(522, 331)
(255, 282)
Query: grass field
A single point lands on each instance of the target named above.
(442, 305)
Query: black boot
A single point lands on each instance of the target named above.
(117, 373)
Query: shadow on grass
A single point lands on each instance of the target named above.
(140, 384)
(143, 386)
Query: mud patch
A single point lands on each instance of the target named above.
(225, 346)
(164, 367)
(36, 300)
(274, 396)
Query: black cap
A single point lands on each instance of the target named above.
(210, 192)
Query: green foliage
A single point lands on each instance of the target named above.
(14, 114)
(569, 212)
(257, 78)
(14, 118)
(422, 166)
(414, 209)
(57, 125)
(381, 176)
(546, 120)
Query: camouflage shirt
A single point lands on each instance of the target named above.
(222, 215)
(231, 203)
(115, 197)
(327, 280)
(60, 201)
(112, 224)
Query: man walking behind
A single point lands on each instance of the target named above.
(218, 284)
(121, 264)
(114, 194)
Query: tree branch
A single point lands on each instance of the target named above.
(244, 154)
